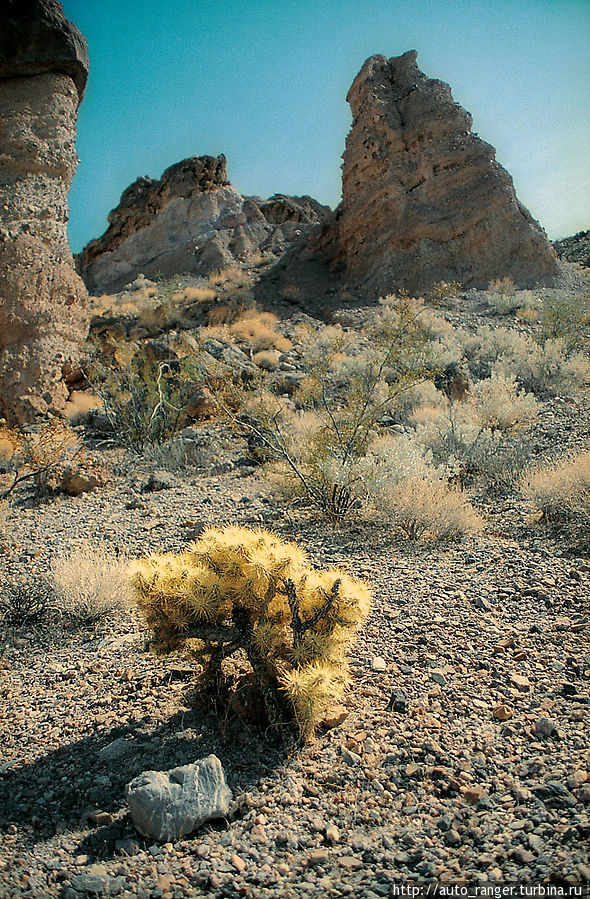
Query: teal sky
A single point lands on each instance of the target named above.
(265, 81)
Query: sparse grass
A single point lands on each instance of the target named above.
(196, 294)
(90, 582)
(268, 360)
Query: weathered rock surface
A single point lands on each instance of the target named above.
(575, 249)
(190, 220)
(43, 69)
(166, 805)
(423, 198)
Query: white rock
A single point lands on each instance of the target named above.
(166, 805)
(378, 663)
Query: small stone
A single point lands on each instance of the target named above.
(378, 663)
(452, 837)
(317, 857)
(351, 758)
(502, 712)
(350, 862)
(332, 834)
(334, 716)
(166, 805)
(398, 702)
(483, 605)
(473, 794)
(239, 864)
(523, 856)
(520, 682)
(100, 818)
(439, 678)
(544, 727)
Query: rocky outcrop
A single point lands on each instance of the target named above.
(423, 198)
(575, 249)
(43, 70)
(190, 220)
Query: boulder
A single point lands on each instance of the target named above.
(190, 220)
(167, 805)
(43, 318)
(423, 198)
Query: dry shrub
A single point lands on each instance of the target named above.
(499, 404)
(80, 403)
(230, 277)
(561, 492)
(258, 330)
(196, 294)
(220, 315)
(502, 285)
(428, 506)
(267, 359)
(91, 583)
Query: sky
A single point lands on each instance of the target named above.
(265, 83)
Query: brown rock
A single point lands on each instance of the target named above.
(502, 712)
(202, 404)
(43, 68)
(423, 199)
(334, 716)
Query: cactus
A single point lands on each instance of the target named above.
(241, 588)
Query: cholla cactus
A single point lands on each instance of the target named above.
(241, 588)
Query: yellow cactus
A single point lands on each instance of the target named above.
(247, 588)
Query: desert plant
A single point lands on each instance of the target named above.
(258, 330)
(421, 506)
(566, 317)
(90, 583)
(443, 291)
(244, 589)
(561, 492)
(41, 455)
(353, 382)
(23, 605)
(146, 401)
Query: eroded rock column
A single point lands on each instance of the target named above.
(43, 319)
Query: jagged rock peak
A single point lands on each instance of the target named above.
(190, 220)
(423, 198)
(36, 37)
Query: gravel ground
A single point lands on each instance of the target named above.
(464, 757)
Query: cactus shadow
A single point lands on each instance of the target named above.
(58, 791)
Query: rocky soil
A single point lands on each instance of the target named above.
(464, 754)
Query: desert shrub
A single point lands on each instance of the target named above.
(521, 303)
(321, 443)
(196, 294)
(498, 403)
(230, 277)
(561, 492)
(241, 589)
(90, 582)
(258, 330)
(268, 360)
(427, 506)
(566, 317)
(548, 368)
(23, 604)
(443, 291)
(146, 401)
(41, 456)
(479, 437)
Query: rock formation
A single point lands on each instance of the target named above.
(190, 220)
(423, 199)
(575, 249)
(43, 71)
